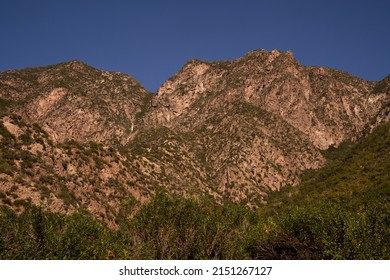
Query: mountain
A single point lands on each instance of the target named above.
(77, 137)
(75, 101)
(260, 120)
(327, 105)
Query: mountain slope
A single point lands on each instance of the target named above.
(340, 211)
(262, 119)
(76, 137)
(75, 101)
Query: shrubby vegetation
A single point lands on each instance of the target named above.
(339, 212)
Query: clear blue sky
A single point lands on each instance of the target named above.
(151, 40)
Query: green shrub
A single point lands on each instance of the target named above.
(177, 228)
(37, 234)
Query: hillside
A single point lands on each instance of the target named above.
(75, 137)
(340, 211)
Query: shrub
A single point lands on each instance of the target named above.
(177, 228)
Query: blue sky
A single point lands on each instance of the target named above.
(151, 40)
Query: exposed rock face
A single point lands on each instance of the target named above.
(229, 129)
(264, 118)
(75, 101)
(327, 105)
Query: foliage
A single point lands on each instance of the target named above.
(37, 234)
(178, 228)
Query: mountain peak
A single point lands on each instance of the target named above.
(265, 53)
(276, 82)
(76, 63)
(73, 100)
